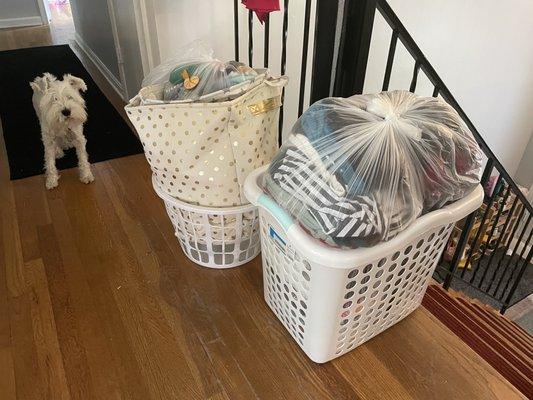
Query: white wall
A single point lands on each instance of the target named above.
(125, 18)
(524, 173)
(210, 20)
(19, 13)
(107, 30)
(213, 22)
(93, 26)
(482, 50)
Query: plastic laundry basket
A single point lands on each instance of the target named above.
(215, 237)
(332, 300)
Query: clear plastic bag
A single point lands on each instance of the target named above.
(356, 171)
(193, 73)
(192, 80)
(196, 51)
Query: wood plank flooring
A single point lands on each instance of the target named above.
(97, 301)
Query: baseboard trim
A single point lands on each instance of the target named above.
(108, 75)
(18, 22)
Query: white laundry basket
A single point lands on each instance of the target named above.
(332, 300)
(215, 237)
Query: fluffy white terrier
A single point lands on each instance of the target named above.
(61, 112)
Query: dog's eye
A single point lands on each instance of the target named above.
(55, 98)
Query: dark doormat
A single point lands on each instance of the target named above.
(108, 135)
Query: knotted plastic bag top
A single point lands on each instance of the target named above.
(193, 72)
(358, 170)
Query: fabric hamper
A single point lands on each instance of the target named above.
(332, 300)
(201, 152)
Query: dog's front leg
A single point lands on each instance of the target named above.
(86, 175)
(51, 173)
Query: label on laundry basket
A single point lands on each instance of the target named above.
(278, 241)
(265, 105)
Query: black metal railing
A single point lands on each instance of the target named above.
(489, 250)
(493, 247)
(283, 45)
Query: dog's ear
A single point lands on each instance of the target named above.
(42, 83)
(35, 85)
(75, 82)
(48, 77)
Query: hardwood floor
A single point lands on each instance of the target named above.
(97, 301)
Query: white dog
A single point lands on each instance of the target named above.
(61, 112)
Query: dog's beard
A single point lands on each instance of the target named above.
(77, 117)
(74, 122)
(53, 116)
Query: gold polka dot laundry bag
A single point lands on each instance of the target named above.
(200, 151)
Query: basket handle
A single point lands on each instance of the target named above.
(277, 82)
(279, 213)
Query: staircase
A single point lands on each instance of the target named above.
(499, 341)
(489, 251)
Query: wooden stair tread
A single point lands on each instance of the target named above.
(493, 322)
(495, 338)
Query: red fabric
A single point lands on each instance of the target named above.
(261, 7)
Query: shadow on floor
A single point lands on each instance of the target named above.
(493, 275)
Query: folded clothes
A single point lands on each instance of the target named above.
(342, 219)
(300, 212)
(192, 74)
(303, 144)
(359, 170)
(192, 80)
(318, 124)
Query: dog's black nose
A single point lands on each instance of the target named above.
(65, 112)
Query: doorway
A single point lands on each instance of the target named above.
(60, 19)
